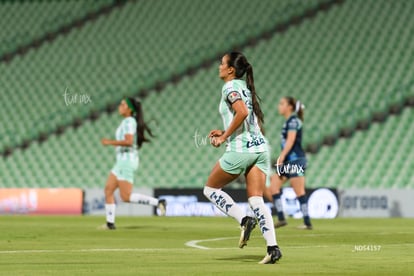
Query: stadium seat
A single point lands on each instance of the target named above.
(132, 48)
(342, 76)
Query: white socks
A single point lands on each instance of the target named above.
(134, 198)
(143, 199)
(110, 212)
(224, 202)
(265, 219)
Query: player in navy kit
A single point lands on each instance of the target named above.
(291, 163)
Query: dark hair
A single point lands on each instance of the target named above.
(292, 102)
(141, 125)
(239, 62)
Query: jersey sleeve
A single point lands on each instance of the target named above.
(231, 93)
(130, 126)
(293, 125)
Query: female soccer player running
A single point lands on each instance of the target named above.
(130, 136)
(246, 152)
(291, 164)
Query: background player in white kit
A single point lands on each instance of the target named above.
(130, 136)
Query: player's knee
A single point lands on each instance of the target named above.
(125, 197)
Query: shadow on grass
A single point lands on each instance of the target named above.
(245, 258)
(137, 227)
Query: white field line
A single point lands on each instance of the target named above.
(191, 244)
(40, 251)
(194, 243)
(89, 250)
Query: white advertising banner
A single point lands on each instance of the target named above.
(323, 202)
(376, 203)
(94, 203)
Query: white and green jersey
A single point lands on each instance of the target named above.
(127, 126)
(248, 138)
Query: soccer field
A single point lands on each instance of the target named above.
(40, 245)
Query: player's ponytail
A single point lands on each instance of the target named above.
(255, 98)
(142, 127)
(297, 106)
(239, 62)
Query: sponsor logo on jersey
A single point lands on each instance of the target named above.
(256, 142)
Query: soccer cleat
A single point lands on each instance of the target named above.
(305, 227)
(247, 225)
(273, 255)
(162, 207)
(107, 226)
(281, 223)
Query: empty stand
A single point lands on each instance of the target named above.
(346, 65)
(132, 48)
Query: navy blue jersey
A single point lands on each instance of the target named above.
(293, 123)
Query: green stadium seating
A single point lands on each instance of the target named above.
(25, 21)
(132, 48)
(380, 157)
(342, 76)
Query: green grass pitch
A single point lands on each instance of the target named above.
(42, 245)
